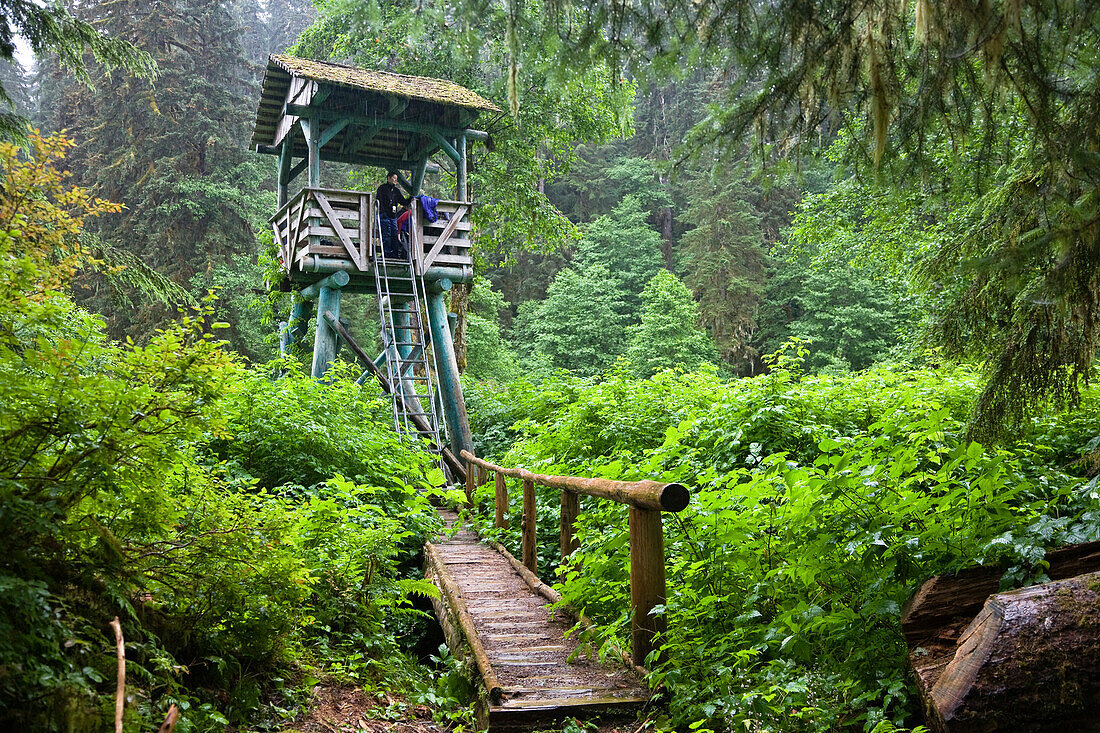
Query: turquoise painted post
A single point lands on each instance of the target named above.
(300, 311)
(418, 176)
(402, 333)
(324, 341)
(313, 141)
(460, 170)
(450, 388)
(285, 161)
(284, 338)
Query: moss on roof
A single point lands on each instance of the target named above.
(440, 91)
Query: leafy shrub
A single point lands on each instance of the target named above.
(125, 490)
(820, 503)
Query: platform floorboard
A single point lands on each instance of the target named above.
(543, 674)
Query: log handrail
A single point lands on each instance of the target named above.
(642, 494)
(646, 499)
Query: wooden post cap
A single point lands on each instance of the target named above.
(675, 498)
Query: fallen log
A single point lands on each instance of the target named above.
(1028, 662)
(1022, 661)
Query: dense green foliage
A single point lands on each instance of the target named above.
(932, 182)
(245, 532)
(667, 332)
(819, 505)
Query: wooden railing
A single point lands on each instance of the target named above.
(334, 224)
(326, 222)
(646, 499)
(445, 241)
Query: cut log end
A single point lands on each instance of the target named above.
(1027, 662)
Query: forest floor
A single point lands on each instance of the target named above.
(342, 709)
(337, 709)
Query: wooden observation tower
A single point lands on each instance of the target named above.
(329, 239)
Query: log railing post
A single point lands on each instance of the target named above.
(646, 499)
(647, 579)
(471, 480)
(501, 500)
(530, 543)
(570, 508)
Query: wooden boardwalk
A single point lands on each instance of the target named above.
(542, 677)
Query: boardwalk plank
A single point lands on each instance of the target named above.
(526, 644)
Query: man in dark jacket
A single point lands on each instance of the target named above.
(390, 204)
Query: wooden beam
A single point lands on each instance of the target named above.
(570, 508)
(335, 280)
(530, 541)
(418, 176)
(333, 130)
(321, 92)
(297, 169)
(339, 229)
(380, 121)
(404, 183)
(460, 169)
(501, 502)
(445, 235)
(641, 494)
(312, 131)
(445, 145)
(285, 161)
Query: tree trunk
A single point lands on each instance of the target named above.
(1028, 662)
(665, 220)
(1025, 660)
(460, 304)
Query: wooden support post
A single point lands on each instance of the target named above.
(450, 386)
(530, 542)
(471, 481)
(418, 177)
(647, 579)
(501, 500)
(284, 339)
(298, 325)
(335, 280)
(285, 161)
(313, 142)
(460, 169)
(570, 508)
(324, 340)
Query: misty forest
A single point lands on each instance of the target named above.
(809, 289)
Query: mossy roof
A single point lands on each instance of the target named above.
(424, 88)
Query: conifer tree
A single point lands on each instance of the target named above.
(578, 326)
(627, 248)
(723, 260)
(668, 334)
(173, 152)
(51, 29)
(17, 84)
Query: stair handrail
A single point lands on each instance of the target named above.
(646, 499)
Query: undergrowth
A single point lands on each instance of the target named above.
(819, 505)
